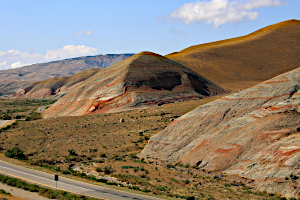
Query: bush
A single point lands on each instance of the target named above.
(108, 170)
(103, 155)
(6, 117)
(72, 152)
(98, 169)
(16, 153)
(33, 116)
(4, 192)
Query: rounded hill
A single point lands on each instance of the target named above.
(242, 62)
(143, 80)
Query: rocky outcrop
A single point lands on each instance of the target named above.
(254, 133)
(12, 80)
(143, 80)
(243, 62)
(54, 87)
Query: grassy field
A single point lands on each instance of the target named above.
(96, 146)
(22, 109)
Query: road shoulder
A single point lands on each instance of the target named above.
(17, 192)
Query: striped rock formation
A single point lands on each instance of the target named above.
(254, 133)
(55, 87)
(143, 80)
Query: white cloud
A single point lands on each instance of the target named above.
(82, 32)
(3, 63)
(17, 64)
(70, 51)
(221, 11)
(14, 58)
(89, 33)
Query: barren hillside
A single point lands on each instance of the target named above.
(253, 133)
(54, 87)
(242, 62)
(143, 80)
(14, 79)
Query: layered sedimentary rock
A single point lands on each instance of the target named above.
(145, 79)
(243, 62)
(254, 133)
(54, 87)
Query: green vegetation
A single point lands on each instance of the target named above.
(16, 153)
(22, 108)
(4, 192)
(49, 193)
(104, 146)
(9, 126)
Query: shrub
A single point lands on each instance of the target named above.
(6, 117)
(108, 170)
(4, 192)
(72, 152)
(98, 169)
(16, 153)
(103, 155)
(33, 116)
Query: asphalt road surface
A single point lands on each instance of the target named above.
(2, 122)
(42, 109)
(69, 185)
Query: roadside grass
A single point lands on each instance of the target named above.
(46, 192)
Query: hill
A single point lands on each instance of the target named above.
(13, 79)
(54, 87)
(242, 62)
(253, 133)
(143, 80)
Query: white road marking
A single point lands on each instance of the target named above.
(48, 179)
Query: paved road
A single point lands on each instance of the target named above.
(42, 109)
(4, 123)
(68, 184)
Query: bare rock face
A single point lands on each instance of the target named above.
(254, 133)
(145, 79)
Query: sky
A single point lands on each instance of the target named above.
(36, 31)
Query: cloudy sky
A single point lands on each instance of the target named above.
(35, 31)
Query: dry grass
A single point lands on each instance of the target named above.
(237, 39)
(9, 197)
(105, 145)
(242, 62)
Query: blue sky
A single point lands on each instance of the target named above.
(35, 31)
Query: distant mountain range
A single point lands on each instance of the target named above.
(12, 80)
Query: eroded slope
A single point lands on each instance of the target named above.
(254, 133)
(143, 80)
(54, 87)
(12, 80)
